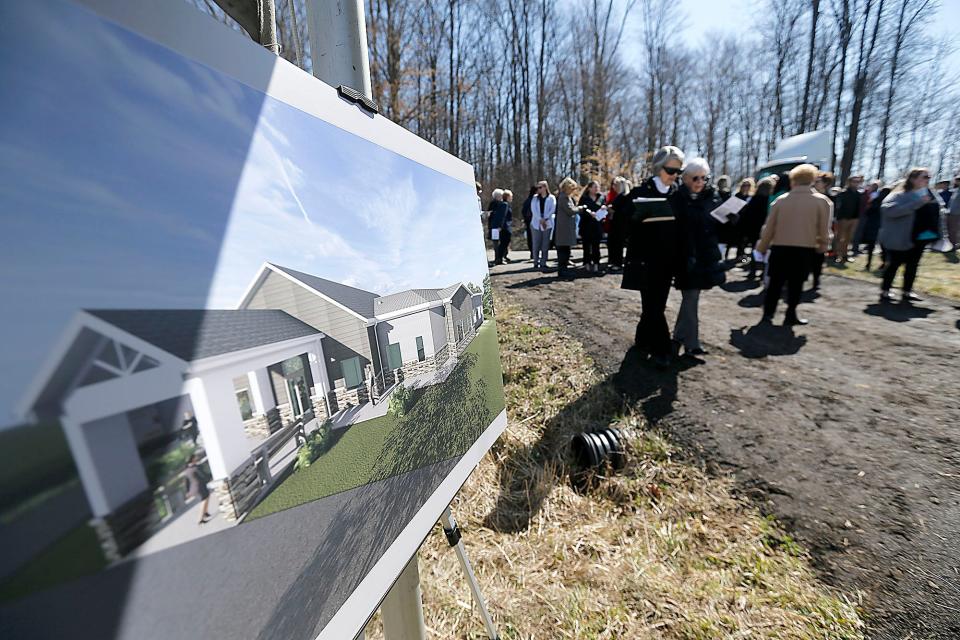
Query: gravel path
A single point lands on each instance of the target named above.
(847, 430)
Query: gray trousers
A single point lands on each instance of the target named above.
(687, 329)
(541, 246)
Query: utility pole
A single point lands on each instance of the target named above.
(338, 43)
(338, 49)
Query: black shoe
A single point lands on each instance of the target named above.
(508, 260)
(794, 321)
(886, 296)
(699, 351)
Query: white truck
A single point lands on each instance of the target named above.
(814, 147)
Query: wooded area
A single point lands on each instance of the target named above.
(525, 89)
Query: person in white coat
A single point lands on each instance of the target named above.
(543, 210)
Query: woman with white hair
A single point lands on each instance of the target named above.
(703, 267)
(499, 225)
(798, 226)
(653, 254)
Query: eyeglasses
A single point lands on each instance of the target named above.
(673, 171)
(699, 178)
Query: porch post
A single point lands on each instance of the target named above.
(220, 423)
(260, 391)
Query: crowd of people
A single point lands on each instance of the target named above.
(789, 225)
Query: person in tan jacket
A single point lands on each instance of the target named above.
(797, 228)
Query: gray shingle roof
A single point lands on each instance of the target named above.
(192, 334)
(412, 298)
(357, 300)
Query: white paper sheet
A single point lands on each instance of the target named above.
(728, 208)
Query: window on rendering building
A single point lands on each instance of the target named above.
(421, 352)
(352, 375)
(394, 359)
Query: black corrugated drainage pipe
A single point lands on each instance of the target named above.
(593, 452)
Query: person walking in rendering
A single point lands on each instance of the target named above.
(797, 227)
(653, 255)
(543, 211)
(703, 267)
(822, 184)
(566, 229)
(900, 234)
(592, 203)
(197, 486)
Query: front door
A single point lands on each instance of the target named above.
(295, 374)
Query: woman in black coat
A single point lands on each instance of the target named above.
(622, 210)
(654, 253)
(703, 267)
(591, 231)
(753, 215)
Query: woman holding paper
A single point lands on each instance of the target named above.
(752, 217)
(654, 252)
(543, 209)
(703, 269)
(798, 227)
(566, 231)
(590, 228)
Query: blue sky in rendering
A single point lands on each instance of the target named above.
(131, 177)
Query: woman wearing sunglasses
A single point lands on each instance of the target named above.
(905, 230)
(703, 265)
(654, 254)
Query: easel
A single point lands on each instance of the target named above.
(402, 609)
(338, 47)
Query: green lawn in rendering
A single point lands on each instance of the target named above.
(75, 554)
(444, 421)
(939, 273)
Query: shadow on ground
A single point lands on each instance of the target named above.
(896, 312)
(766, 339)
(529, 473)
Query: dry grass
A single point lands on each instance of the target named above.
(660, 551)
(939, 273)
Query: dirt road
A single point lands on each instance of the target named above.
(847, 430)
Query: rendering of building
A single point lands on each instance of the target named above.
(370, 340)
(251, 382)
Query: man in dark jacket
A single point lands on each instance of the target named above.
(847, 215)
(654, 253)
(527, 213)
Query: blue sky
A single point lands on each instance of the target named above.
(134, 178)
(702, 20)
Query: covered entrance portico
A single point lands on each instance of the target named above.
(109, 377)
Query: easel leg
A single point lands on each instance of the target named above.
(402, 609)
(453, 537)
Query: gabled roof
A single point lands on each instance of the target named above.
(193, 334)
(412, 298)
(356, 300)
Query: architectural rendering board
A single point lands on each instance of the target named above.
(249, 352)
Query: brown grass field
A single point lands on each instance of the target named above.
(661, 550)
